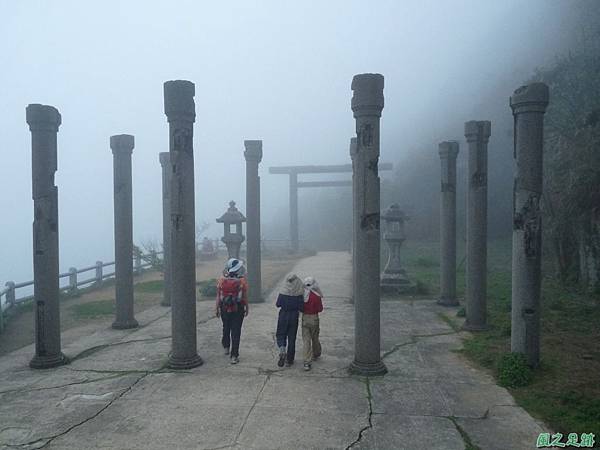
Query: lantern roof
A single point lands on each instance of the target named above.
(232, 215)
(394, 214)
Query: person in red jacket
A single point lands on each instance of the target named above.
(232, 306)
(313, 305)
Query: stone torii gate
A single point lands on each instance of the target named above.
(294, 171)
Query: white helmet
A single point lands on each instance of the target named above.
(234, 266)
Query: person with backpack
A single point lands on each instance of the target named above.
(232, 306)
(290, 301)
(313, 305)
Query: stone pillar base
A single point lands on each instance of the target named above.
(367, 370)
(47, 362)
(446, 301)
(468, 327)
(126, 325)
(185, 363)
(396, 283)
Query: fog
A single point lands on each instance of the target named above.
(271, 70)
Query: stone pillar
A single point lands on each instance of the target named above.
(181, 114)
(44, 122)
(477, 134)
(294, 241)
(367, 103)
(165, 162)
(448, 152)
(253, 155)
(528, 104)
(355, 217)
(122, 148)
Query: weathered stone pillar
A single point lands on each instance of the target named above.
(181, 114)
(367, 103)
(165, 162)
(355, 217)
(477, 134)
(294, 240)
(448, 152)
(528, 104)
(253, 155)
(122, 147)
(44, 122)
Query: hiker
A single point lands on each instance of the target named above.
(313, 305)
(290, 301)
(232, 306)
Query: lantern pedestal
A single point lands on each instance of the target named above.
(394, 278)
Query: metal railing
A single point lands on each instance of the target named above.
(140, 262)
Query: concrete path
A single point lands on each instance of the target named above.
(117, 394)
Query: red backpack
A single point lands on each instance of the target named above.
(231, 290)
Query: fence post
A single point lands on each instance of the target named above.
(72, 279)
(138, 262)
(10, 294)
(98, 272)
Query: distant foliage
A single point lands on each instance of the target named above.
(572, 161)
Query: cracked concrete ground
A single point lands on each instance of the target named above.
(116, 393)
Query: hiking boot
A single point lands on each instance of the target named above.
(226, 350)
(281, 359)
(307, 367)
(235, 359)
(289, 362)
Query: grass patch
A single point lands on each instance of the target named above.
(153, 286)
(90, 310)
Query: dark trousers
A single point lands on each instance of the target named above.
(232, 330)
(287, 327)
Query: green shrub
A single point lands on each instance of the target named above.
(461, 312)
(208, 288)
(513, 370)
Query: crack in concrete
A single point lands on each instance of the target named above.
(369, 425)
(74, 383)
(48, 440)
(239, 433)
(463, 434)
(414, 338)
(141, 327)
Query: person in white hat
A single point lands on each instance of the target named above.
(232, 306)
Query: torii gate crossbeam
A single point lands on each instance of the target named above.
(293, 172)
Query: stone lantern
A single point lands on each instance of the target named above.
(393, 278)
(232, 239)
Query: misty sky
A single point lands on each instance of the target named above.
(279, 71)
